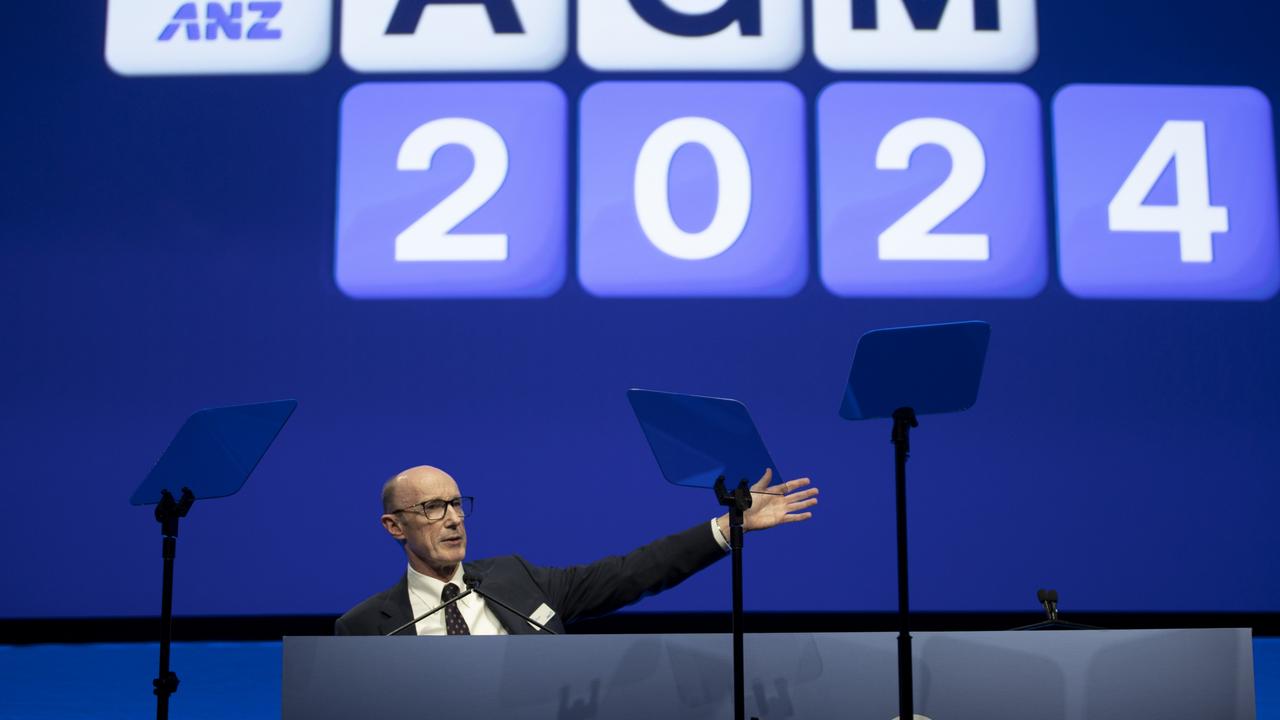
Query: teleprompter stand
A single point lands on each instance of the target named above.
(168, 512)
(900, 373)
(699, 442)
(214, 452)
(738, 501)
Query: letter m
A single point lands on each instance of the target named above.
(927, 14)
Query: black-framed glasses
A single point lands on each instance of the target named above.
(434, 510)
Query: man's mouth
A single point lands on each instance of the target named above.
(453, 540)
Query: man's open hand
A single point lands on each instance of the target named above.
(784, 503)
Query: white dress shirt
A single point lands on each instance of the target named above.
(424, 594)
(721, 540)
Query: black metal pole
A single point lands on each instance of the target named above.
(167, 514)
(903, 420)
(735, 547)
(166, 682)
(737, 502)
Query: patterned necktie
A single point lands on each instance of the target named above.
(453, 622)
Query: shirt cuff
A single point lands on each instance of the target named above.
(721, 540)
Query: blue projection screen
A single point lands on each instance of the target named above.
(457, 233)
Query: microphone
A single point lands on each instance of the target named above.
(473, 585)
(466, 580)
(1049, 599)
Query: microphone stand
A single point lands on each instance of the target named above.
(470, 589)
(1049, 600)
(474, 584)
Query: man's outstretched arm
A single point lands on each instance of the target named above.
(615, 582)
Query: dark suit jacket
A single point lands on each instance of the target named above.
(573, 592)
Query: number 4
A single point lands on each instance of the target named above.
(1181, 142)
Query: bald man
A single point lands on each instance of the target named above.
(424, 511)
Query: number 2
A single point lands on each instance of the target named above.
(911, 237)
(430, 237)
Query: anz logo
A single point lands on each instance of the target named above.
(180, 37)
(227, 21)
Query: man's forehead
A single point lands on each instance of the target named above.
(424, 483)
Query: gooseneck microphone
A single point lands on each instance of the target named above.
(466, 580)
(1049, 599)
(473, 585)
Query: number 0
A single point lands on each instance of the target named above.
(733, 204)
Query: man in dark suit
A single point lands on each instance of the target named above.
(424, 512)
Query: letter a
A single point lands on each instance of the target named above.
(658, 14)
(502, 15)
(189, 15)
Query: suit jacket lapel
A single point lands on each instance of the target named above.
(510, 594)
(514, 624)
(396, 609)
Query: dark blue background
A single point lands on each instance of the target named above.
(168, 245)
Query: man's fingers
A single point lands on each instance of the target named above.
(801, 495)
(791, 486)
(801, 504)
(786, 488)
(796, 518)
(783, 489)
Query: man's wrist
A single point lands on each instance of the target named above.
(718, 533)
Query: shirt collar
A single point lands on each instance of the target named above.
(432, 589)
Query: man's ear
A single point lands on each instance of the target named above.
(392, 524)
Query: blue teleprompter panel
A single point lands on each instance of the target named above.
(692, 189)
(698, 440)
(1166, 192)
(931, 190)
(452, 190)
